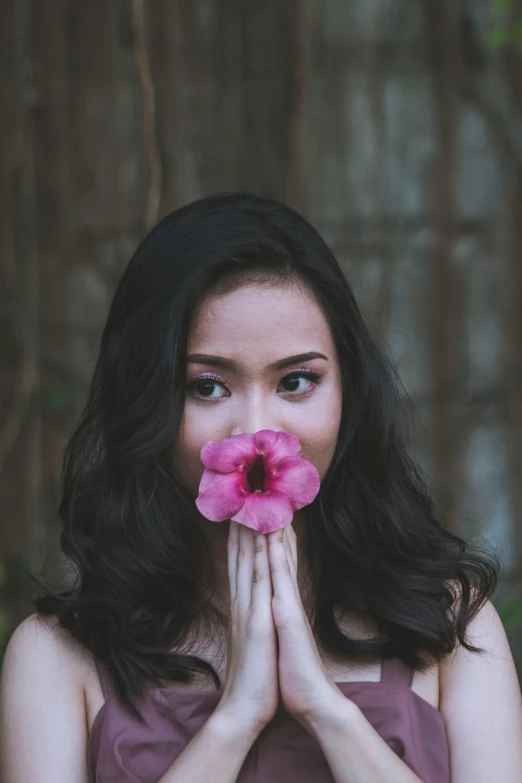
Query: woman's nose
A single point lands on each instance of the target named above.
(251, 430)
(253, 420)
(255, 410)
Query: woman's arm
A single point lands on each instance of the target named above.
(43, 721)
(482, 706)
(216, 753)
(354, 750)
(43, 726)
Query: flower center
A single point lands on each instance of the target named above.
(256, 475)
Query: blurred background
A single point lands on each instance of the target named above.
(394, 126)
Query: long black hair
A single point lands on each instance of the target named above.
(378, 547)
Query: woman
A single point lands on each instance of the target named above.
(356, 644)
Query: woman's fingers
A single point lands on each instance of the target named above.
(251, 685)
(232, 547)
(261, 581)
(290, 546)
(248, 567)
(245, 567)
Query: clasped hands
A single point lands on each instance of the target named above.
(306, 689)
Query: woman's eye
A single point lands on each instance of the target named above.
(204, 386)
(294, 378)
(205, 382)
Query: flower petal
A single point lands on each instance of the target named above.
(297, 478)
(229, 454)
(221, 494)
(265, 512)
(276, 445)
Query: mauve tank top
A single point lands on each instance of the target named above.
(121, 750)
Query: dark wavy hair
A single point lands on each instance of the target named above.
(378, 547)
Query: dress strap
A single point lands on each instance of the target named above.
(105, 680)
(394, 670)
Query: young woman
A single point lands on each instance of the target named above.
(356, 644)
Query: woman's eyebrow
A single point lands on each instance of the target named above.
(228, 364)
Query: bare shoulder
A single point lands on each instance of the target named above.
(45, 632)
(486, 632)
(482, 704)
(41, 647)
(42, 705)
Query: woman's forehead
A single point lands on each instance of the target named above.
(257, 312)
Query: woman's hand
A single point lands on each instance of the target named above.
(305, 686)
(250, 693)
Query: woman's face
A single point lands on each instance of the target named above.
(253, 328)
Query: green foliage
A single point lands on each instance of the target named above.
(503, 6)
(510, 612)
(57, 401)
(507, 32)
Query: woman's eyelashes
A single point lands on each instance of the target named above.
(197, 385)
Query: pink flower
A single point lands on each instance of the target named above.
(257, 480)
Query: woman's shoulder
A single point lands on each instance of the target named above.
(42, 698)
(42, 637)
(40, 649)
